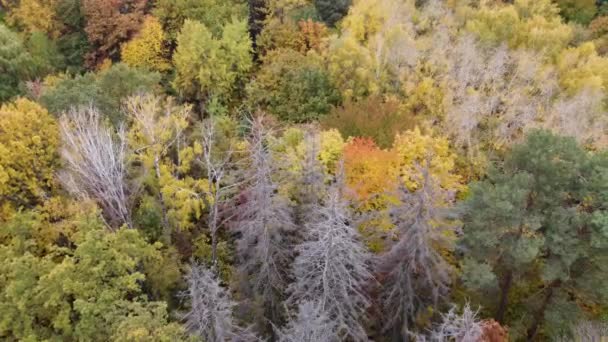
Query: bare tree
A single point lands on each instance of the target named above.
(310, 180)
(217, 161)
(332, 266)
(589, 331)
(311, 324)
(265, 222)
(160, 126)
(581, 116)
(210, 315)
(457, 327)
(413, 272)
(95, 158)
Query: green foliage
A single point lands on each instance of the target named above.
(210, 68)
(214, 14)
(45, 55)
(331, 11)
(14, 63)
(105, 90)
(580, 11)
(293, 87)
(536, 222)
(87, 288)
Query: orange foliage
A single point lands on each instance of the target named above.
(371, 172)
(493, 332)
(313, 35)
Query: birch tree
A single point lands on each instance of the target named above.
(95, 162)
(156, 128)
(332, 266)
(415, 274)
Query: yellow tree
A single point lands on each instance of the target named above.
(415, 149)
(29, 138)
(36, 16)
(147, 49)
(157, 130)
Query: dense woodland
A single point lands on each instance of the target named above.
(303, 170)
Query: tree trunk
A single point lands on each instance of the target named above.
(504, 297)
(257, 16)
(540, 314)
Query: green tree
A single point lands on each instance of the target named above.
(105, 90)
(213, 13)
(331, 11)
(14, 63)
(294, 87)
(535, 235)
(84, 288)
(580, 11)
(209, 68)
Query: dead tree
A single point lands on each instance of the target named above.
(95, 163)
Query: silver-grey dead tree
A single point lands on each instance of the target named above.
(457, 327)
(332, 266)
(95, 157)
(265, 222)
(310, 180)
(210, 315)
(414, 273)
(310, 324)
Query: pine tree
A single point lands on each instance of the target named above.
(539, 221)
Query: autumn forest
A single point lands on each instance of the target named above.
(304, 170)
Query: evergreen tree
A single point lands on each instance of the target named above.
(331, 11)
(537, 226)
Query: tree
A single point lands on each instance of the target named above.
(109, 24)
(95, 163)
(36, 16)
(29, 141)
(536, 223)
(147, 48)
(14, 63)
(581, 12)
(332, 267)
(454, 326)
(373, 117)
(293, 87)
(265, 222)
(210, 314)
(214, 14)
(310, 324)
(209, 68)
(332, 11)
(86, 285)
(415, 274)
(106, 90)
(157, 126)
(45, 55)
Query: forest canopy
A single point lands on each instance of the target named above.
(303, 170)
